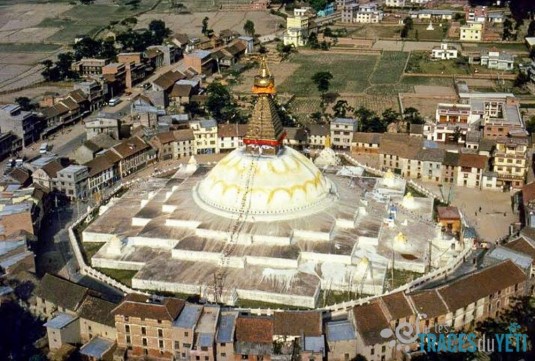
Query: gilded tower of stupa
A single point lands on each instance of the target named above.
(265, 133)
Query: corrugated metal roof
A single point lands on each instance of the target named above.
(97, 347)
(340, 331)
(314, 344)
(502, 253)
(189, 316)
(227, 324)
(60, 321)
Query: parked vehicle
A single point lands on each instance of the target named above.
(43, 148)
(114, 101)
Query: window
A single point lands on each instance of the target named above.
(160, 332)
(177, 345)
(206, 358)
(186, 334)
(197, 358)
(244, 357)
(383, 349)
(128, 340)
(144, 341)
(372, 351)
(143, 330)
(223, 344)
(204, 348)
(127, 328)
(223, 354)
(160, 343)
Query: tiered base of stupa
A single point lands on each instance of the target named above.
(347, 245)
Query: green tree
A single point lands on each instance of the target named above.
(322, 79)
(390, 116)
(341, 108)
(285, 50)
(369, 121)
(531, 28)
(412, 116)
(317, 116)
(521, 79)
(409, 23)
(530, 125)
(324, 45)
(507, 29)
(159, 31)
(24, 103)
(87, 48)
(328, 32)
(194, 108)
(18, 331)
(313, 41)
(248, 27)
(318, 4)
(219, 101)
(107, 50)
(404, 32)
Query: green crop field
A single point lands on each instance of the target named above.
(420, 32)
(28, 48)
(423, 80)
(350, 73)
(390, 67)
(89, 19)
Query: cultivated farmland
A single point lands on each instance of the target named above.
(390, 68)
(350, 73)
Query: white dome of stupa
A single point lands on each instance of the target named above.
(288, 185)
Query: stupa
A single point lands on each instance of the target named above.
(327, 156)
(263, 224)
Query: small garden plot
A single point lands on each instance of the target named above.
(390, 67)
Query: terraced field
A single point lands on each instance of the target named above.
(350, 73)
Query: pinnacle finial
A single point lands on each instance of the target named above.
(264, 83)
(264, 71)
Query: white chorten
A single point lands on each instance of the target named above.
(408, 201)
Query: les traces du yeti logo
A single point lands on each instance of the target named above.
(406, 333)
(443, 338)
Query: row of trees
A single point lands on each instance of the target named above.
(369, 121)
(155, 34)
(91, 48)
(60, 69)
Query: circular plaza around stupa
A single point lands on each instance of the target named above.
(266, 224)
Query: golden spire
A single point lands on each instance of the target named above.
(265, 133)
(264, 83)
